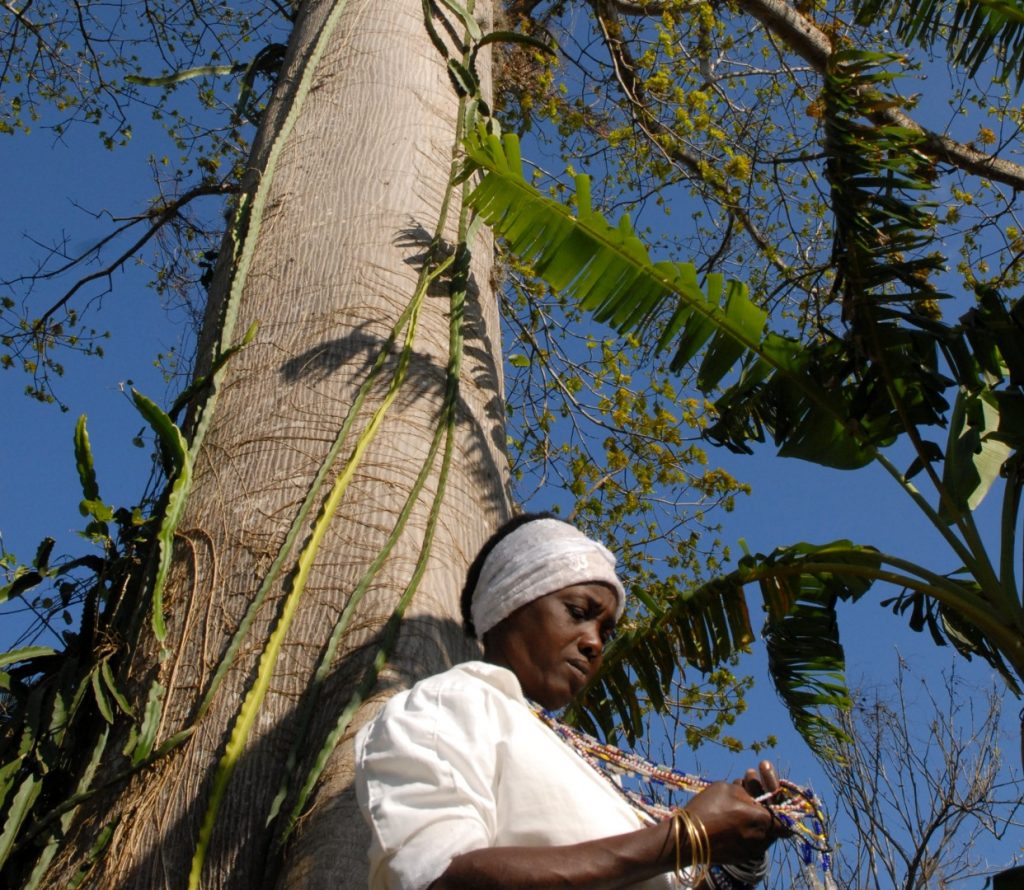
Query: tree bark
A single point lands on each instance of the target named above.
(353, 201)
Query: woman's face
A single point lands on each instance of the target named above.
(554, 644)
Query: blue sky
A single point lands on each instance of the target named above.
(38, 486)
(39, 492)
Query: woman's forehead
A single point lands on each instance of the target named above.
(593, 591)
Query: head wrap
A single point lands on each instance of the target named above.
(536, 559)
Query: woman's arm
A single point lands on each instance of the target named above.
(595, 865)
(738, 829)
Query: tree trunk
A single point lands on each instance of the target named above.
(352, 203)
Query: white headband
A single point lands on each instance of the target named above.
(536, 559)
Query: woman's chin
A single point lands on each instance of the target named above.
(562, 698)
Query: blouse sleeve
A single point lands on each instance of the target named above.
(425, 778)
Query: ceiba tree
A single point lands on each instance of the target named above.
(343, 466)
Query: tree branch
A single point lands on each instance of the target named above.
(814, 46)
(649, 123)
(624, 7)
(19, 14)
(157, 218)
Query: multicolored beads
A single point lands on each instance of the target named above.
(797, 808)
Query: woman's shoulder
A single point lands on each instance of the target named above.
(469, 698)
(472, 680)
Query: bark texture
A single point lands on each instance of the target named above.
(353, 201)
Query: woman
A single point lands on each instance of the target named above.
(463, 785)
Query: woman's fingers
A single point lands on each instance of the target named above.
(768, 777)
(763, 780)
(736, 821)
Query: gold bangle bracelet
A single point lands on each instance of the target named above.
(700, 848)
(691, 840)
(676, 819)
(706, 863)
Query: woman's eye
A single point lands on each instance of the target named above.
(577, 613)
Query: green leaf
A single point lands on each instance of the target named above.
(23, 582)
(8, 775)
(468, 22)
(1011, 419)
(108, 680)
(43, 551)
(177, 77)
(976, 32)
(200, 384)
(692, 330)
(170, 437)
(84, 463)
(17, 813)
(724, 352)
(974, 458)
(606, 269)
(997, 334)
(39, 872)
(806, 662)
(465, 81)
(608, 272)
(176, 449)
(799, 585)
(17, 656)
(101, 699)
(93, 853)
(150, 724)
(100, 511)
(704, 627)
(514, 37)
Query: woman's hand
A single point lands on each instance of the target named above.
(738, 827)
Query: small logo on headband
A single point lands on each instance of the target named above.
(577, 562)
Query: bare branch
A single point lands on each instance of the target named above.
(920, 782)
(157, 218)
(648, 122)
(19, 14)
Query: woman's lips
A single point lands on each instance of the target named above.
(580, 667)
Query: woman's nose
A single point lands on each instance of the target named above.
(591, 643)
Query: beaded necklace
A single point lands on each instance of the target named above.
(797, 808)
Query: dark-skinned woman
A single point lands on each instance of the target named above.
(465, 787)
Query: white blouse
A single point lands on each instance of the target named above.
(460, 762)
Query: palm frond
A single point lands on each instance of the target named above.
(702, 628)
(978, 31)
(805, 657)
(884, 233)
(774, 386)
(799, 586)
